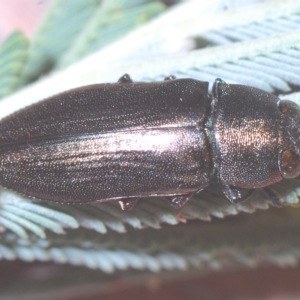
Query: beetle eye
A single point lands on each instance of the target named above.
(289, 164)
(288, 107)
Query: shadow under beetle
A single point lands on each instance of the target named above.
(127, 140)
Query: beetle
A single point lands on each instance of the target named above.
(128, 140)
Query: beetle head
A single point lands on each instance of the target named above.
(289, 154)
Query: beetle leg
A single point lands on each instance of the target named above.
(273, 197)
(171, 77)
(128, 203)
(234, 194)
(125, 79)
(179, 201)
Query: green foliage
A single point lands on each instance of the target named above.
(112, 20)
(13, 55)
(26, 219)
(61, 25)
(75, 28)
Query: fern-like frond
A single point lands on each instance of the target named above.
(112, 20)
(74, 28)
(248, 242)
(21, 217)
(13, 56)
(60, 27)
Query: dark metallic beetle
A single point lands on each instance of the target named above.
(130, 140)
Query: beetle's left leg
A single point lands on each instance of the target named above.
(273, 197)
(234, 194)
(125, 79)
(179, 201)
(128, 203)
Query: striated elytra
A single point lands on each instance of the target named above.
(127, 140)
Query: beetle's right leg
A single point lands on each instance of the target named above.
(171, 77)
(179, 201)
(128, 203)
(125, 79)
(273, 197)
(234, 194)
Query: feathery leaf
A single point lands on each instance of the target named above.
(13, 55)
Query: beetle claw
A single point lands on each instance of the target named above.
(128, 203)
(171, 77)
(125, 79)
(179, 201)
(273, 197)
(234, 194)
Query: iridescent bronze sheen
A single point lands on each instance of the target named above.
(130, 140)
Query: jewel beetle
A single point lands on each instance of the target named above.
(128, 140)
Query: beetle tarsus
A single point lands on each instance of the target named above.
(171, 77)
(234, 194)
(273, 197)
(128, 203)
(125, 79)
(219, 80)
(179, 201)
